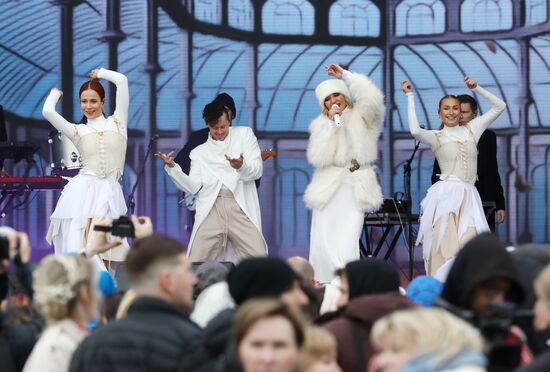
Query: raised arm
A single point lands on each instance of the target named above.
(122, 93)
(58, 121)
(481, 123)
(425, 136)
(369, 99)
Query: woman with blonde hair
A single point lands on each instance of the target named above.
(65, 293)
(343, 148)
(452, 212)
(426, 339)
(319, 351)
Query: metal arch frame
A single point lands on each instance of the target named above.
(369, 4)
(499, 9)
(412, 81)
(547, 65)
(497, 82)
(280, 80)
(532, 172)
(278, 180)
(428, 6)
(301, 15)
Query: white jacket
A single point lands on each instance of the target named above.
(210, 170)
(331, 149)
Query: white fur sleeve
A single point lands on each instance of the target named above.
(369, 99)
(321, 146)
(481, 123)
(58, 121)
(425, 136)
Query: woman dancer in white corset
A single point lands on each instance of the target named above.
(452, 212)
(95, 193)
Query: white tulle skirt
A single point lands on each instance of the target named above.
(85, 199)
(451, 213)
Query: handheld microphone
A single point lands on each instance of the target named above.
(155, 137)
(336, 117)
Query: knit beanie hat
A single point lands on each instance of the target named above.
(371, 276)
(328, 87)
(423, 290)
(260, 277)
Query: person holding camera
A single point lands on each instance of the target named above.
(483, 287)
(95, 192)
(222, 174)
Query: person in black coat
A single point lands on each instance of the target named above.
(489, 184)
(156, 334)
(483, 287)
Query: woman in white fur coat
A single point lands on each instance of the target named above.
(342, 148)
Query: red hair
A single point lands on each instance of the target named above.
(95, 85)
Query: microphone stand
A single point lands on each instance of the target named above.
(408, 198)
(131, 198)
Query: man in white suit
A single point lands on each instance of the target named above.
(222, 174)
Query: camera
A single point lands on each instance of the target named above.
(122, 227)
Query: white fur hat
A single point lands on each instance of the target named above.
(327, 87)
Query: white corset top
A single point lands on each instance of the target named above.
(458, 159)
(102, 153)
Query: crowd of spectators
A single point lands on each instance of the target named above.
(492, 312)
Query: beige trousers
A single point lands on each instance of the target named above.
(226, 222)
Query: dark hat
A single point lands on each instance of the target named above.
(482, 259)
(260, 277)
(228, 102)
(371, 276)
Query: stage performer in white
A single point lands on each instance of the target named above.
(452, 212)
(222, 174)
(95, 193)
(342, 148)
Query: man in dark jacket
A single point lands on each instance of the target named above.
(157, 334)
(483, 287)
(488, 184)
(370, 290)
